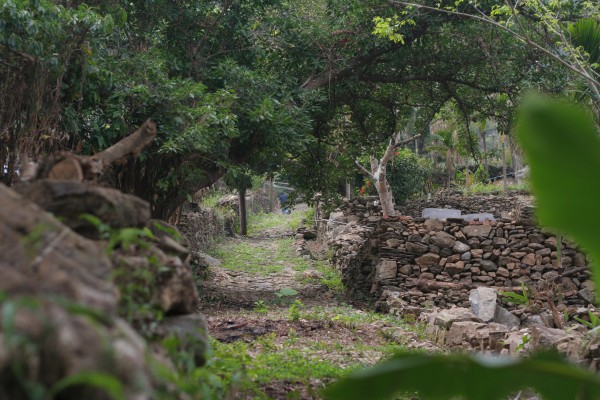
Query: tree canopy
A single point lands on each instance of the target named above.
(299, 87)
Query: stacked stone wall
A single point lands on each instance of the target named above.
(512, 206)
(434, 263)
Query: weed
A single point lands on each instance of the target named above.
(593, 323)
(260, 307)
(285, 295)
(516, 298)
(294, 310)
(247, 258)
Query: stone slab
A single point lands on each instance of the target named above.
(440, 213)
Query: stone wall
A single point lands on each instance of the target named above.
(434, 263)
(511, 206)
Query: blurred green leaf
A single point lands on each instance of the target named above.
(469, 376)
(105, 382)
(563, 149)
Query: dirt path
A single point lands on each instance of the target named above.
(291, 346)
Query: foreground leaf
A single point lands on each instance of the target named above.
(108, 383)
(468, 376)
(563, 149)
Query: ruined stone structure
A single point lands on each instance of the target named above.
(429, 262)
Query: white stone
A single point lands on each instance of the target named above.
(483, 303)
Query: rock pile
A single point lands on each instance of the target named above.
(70, 304)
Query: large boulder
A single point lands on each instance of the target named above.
(40, 255)
(483, 303)
(62, 305)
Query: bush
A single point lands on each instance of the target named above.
(408, 175)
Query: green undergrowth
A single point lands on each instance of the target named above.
(354, 318)
(244, 257)
(250, 367)
(486, 188)
(260, 222)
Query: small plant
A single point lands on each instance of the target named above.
(524, 341)
(260, 307)
(284, 295)
(295, 309)
(516, 298)
(593, 323)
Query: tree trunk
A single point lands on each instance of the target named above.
(504, 174)
(271, 196)
(449, 165)
(386, 196)
(516, 157)
(243, 215)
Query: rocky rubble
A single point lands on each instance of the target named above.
(59, 290)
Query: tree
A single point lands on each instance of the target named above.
(378, 172)
(444, 143)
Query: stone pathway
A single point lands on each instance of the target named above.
(230, 289)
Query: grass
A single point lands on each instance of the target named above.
(484, 188)
(353, 318)
(260, 222)
(243, 256)
(268, 360)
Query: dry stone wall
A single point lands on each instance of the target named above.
(429, 262)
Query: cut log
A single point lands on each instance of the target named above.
(132, 144)
(70, 167)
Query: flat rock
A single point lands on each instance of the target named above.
(386, 269)
(440, 213)
(480, 217)
(477, 230)
(443, 240)
(70, 200)
(428, 260)
(488, 266)
(445, 318)
(506, 318)
(415, 247)
(460, 247)
(433, 224)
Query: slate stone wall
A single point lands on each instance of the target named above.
(434, 263)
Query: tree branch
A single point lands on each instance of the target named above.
(364, 170)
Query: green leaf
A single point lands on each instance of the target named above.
(286, 292)
(562, 145)
(471, 377)
(105, 382)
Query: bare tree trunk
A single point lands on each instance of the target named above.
(504, 175)
(378, 175)
(449, 165)
(243, 214)
(516, 157)
(271, 196)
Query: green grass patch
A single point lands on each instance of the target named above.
(264, 361)
(260, 222)
(242, 256)
(486, 188)
(353, 318)
(331, 277)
